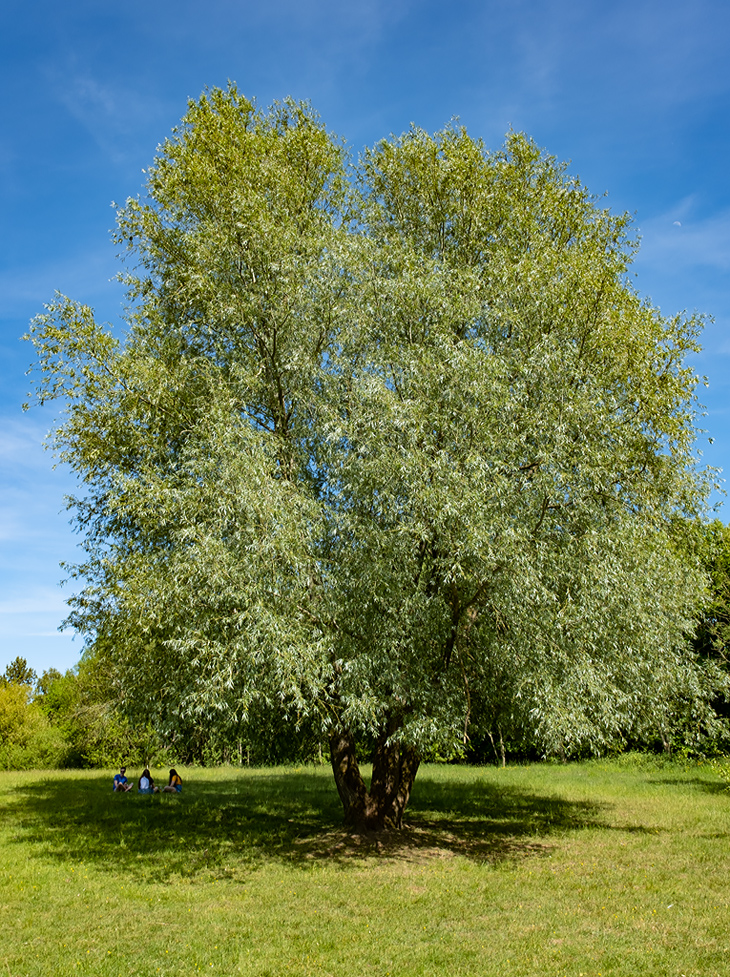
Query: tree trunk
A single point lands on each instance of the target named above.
(501, 756)
(394, 770)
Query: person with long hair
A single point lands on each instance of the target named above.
(174, 785)
(147, 784)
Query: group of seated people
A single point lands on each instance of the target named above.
(147, 784)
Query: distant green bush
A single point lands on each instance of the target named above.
(27, 739)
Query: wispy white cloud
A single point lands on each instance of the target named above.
(22, 453)
(17, 439)
(633, 59)
(362, 23)
(35, 636)
(43, 600)
(318, 42)
(117, 116)
(85, 275)
(47, 634)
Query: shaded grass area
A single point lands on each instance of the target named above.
(599, 868)
(251, 817)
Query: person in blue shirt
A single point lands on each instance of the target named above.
(120, 781)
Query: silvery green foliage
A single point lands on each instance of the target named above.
(381, 443)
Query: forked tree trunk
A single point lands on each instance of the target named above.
(394, 770)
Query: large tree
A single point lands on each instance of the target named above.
(382, 444)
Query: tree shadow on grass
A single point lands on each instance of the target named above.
(226, 827)
(699, 783)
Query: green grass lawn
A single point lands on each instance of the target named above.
(603, 868)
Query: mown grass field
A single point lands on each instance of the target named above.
(603, 868)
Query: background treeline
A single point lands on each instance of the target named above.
(76, 720)
(81, 718)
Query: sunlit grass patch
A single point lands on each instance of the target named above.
(598, 868)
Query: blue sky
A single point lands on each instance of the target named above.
(636, 95)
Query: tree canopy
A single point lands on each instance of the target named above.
(394, 444)
(19, 672)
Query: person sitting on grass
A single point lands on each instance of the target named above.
(175, 783)
(120, 781)
(147, 784)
